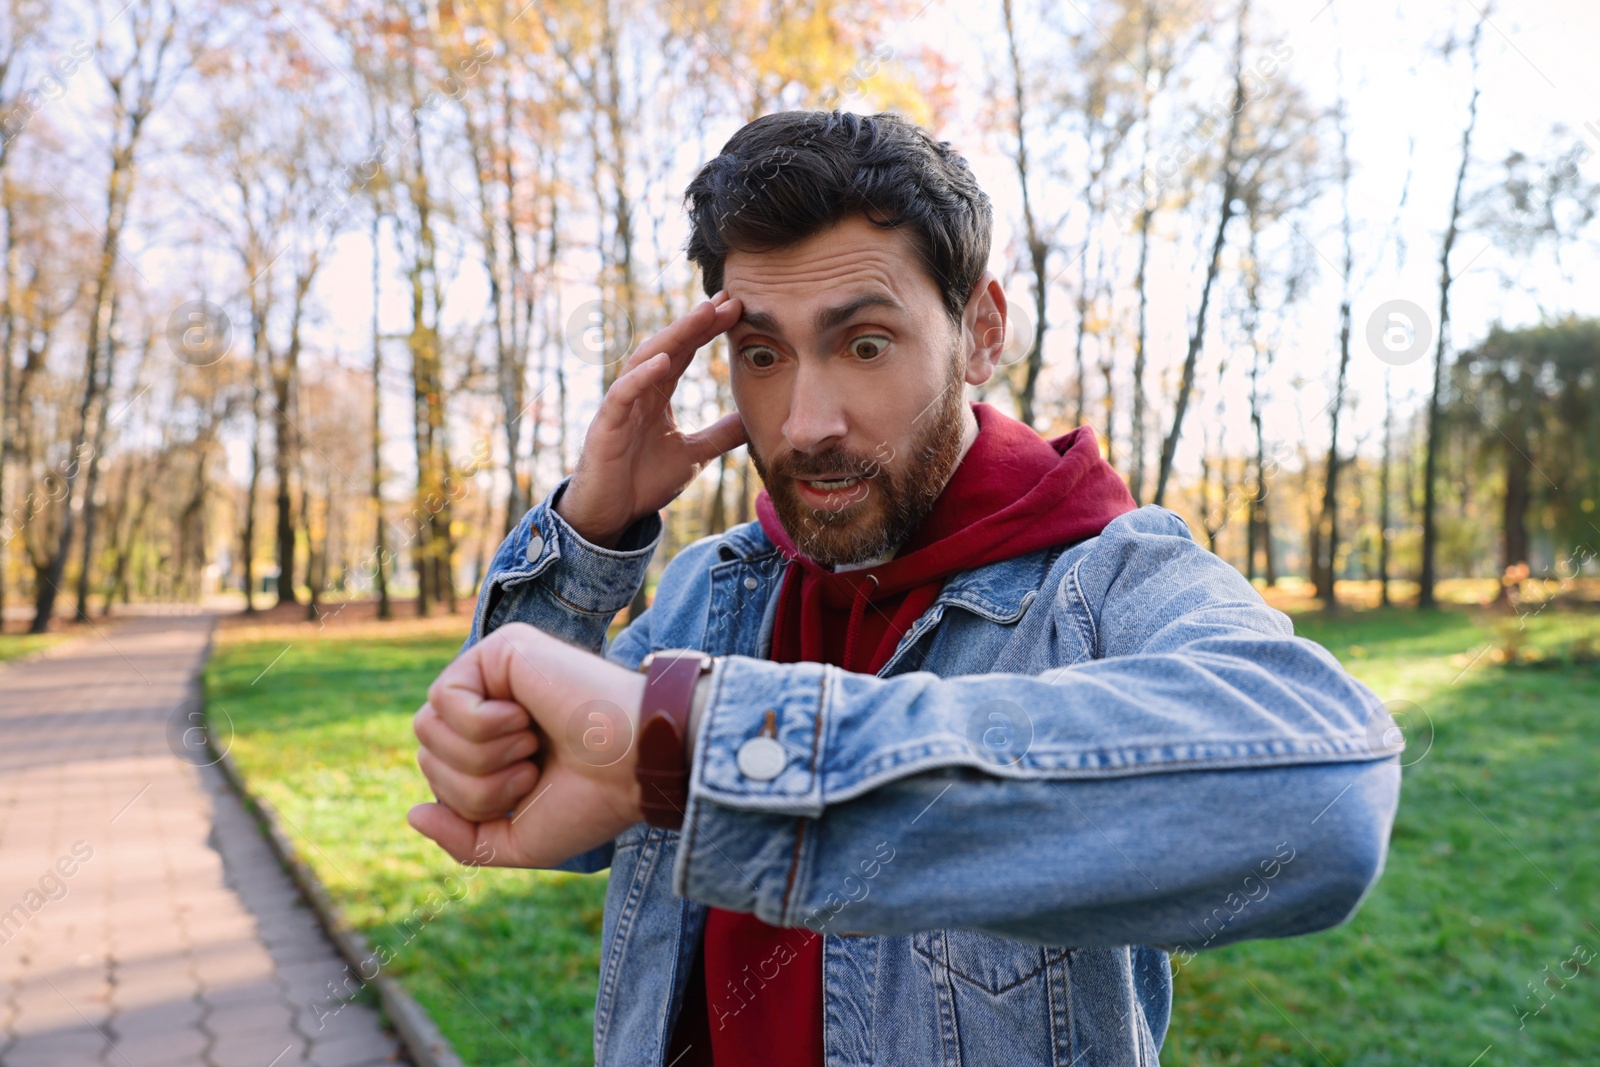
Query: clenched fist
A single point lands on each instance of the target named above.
(527, 743)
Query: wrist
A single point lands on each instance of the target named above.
(587, 530)
(626, 779)
(582, 523)
(702, 692)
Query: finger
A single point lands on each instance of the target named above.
(490, 720)
(684, 330)
(726, 314)
(657, 367)
(679, 359)
(478, 797)
(473, 702)
(724, 435)
(472, 757)
(448, 830)
(617, 406)
(488, 844)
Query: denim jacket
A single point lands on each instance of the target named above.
(1075, 763)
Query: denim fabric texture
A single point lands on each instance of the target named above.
(1075, 763)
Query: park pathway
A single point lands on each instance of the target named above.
(143, 920)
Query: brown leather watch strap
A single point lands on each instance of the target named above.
(662, 769)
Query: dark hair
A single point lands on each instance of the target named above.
(789, 175)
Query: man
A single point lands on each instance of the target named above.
(976, 743)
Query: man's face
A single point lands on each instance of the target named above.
(849, 377)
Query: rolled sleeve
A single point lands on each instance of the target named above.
(545, 574)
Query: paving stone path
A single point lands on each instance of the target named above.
(143, 920)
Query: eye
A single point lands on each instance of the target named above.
(759, 357)
(868, 346)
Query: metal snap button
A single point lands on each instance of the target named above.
(762, 759)
(535, 547)
(750, 583)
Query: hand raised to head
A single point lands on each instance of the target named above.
(635, 459)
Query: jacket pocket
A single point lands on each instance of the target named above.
(995, 965)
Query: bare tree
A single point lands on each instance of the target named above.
(1106, 114)
(380, 553)
(1039, 246)
(137, 77)
(20, 26)
(1430, 529)
(1258, 531)
(1228, 175)
(1163, 33)
(1325, 532)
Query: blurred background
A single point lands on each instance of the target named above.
(311, 302)
(304, 305)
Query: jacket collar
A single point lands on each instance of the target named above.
(1000, 591)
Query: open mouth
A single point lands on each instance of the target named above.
(832, 490)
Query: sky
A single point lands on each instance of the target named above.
(1407, 109)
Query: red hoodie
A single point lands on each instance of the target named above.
(761, 999)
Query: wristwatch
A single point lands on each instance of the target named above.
(662, 769)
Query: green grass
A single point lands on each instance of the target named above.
(15, 646)
(325, 737)
(1493, 872)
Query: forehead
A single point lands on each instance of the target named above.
(847, 260)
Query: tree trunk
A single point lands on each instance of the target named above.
(1430, 532)
(1108, 366)
(435, 553)
(1137, 415)
(118, 583)
(8, 313)
(134, 94)
(260, 357)
(1514, 513)
(283, 435)
(380, 549)
(1383, 494)
(91, 480)
(510, 369)
(1323, 566)
(1230, 181)
(1038, 247)
(617, 161)
(1324, 563)
(1256, 532)
(315, 558)
(117, 189)
(1083, 304)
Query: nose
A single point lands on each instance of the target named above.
(816, 411)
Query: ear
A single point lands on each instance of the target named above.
(984, 329)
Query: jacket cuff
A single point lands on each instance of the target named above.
(583, 578)
(745, 822)
(736, 755)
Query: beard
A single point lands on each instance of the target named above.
(867, 523)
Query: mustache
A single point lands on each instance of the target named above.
(801, 465)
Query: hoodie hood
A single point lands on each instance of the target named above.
(1013, 493)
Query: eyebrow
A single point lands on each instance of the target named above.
(827, 318)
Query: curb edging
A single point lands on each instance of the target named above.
(418, 1032)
